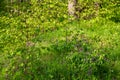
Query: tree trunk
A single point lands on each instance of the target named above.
(72, 8)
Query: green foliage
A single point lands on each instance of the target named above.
(110, 10)
(37, 41)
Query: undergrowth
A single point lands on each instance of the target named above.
(78, 50)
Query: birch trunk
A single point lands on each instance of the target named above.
(72, 7)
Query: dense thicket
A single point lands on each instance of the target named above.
(39, 40)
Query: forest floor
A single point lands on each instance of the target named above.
(59, 52)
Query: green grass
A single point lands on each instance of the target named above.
(83, 50)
